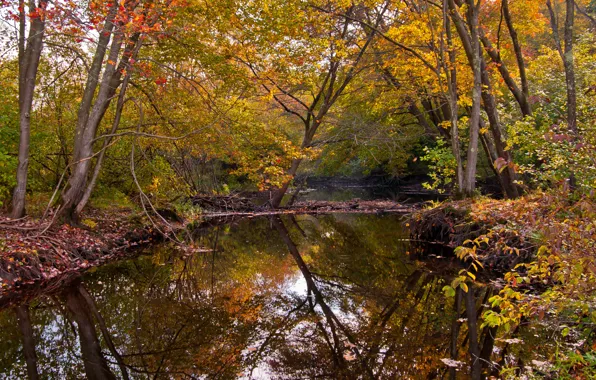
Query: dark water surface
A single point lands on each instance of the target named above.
(336, 296)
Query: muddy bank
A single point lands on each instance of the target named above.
(35, 255)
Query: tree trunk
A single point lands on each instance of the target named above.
(566, 54)
(567, 57)
(520, 96)
(518, 55)
(570, 69)
(329, 92)
(83, 151)
(453, 107)
(29, 57)
(106, 142)
(474, 347)
(279, 194)
(73, 192)
(507, 173)
(471, 44)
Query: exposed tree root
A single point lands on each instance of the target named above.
(455, 224)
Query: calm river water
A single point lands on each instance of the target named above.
(335, 296)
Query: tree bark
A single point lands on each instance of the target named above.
(507, 173)
(474, 347)
(106, 141)
(566, 53)
(471, 43)
(29, 57)
(520, 96)
(84, 141)
(452, 90)
(518, 53)
(83, 150)
(570, 69)
(69, 197)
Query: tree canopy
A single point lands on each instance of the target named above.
(160, 98)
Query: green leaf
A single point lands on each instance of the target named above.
(449, 291)
(565, 332)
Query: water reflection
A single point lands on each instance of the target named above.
(283, 298)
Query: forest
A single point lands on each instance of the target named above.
(165, 128)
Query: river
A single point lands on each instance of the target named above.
(328, 296)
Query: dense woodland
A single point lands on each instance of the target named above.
(150, 100)
(143, 104)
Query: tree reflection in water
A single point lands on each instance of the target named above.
(305, 297)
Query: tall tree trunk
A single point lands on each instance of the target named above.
(69, 197)
(83, 151)
(106, 142)
(566, 53)
(570, 69)
(453, 107)
(111, 81)
(471, 43)
(29, 57)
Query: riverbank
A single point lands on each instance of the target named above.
(507, 232)
(539, 252)
(33, 253)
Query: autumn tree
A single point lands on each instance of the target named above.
(302, 57)
(123, 27)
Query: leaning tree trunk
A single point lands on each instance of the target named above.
(29, 57)
(279, 193)
(523, 77)
(506, 173)
(85, 139)
(107, 139)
